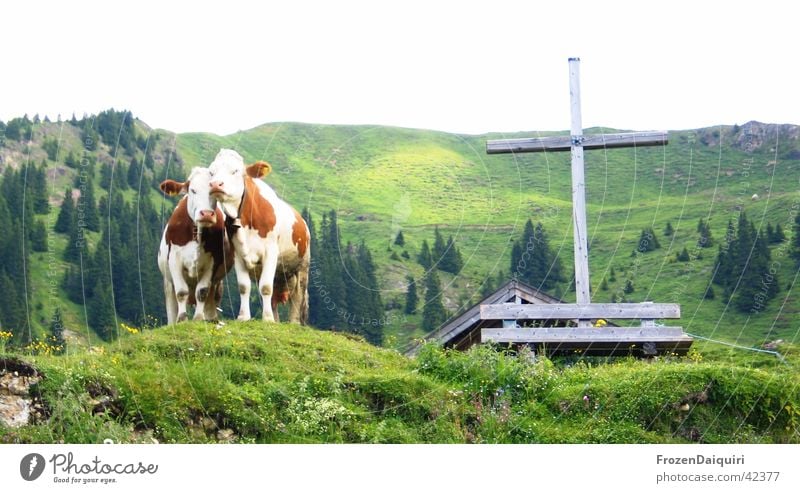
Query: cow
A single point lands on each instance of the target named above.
(270, 239)
(195, 253)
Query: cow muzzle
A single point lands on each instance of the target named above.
(216, 188)
(207, 217)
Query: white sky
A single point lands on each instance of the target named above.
(468, 67)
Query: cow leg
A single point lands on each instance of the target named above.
(299, 307)
(275, 308)
(213, 301)
(171, 301)
(243, 280)
(181, 287)
(295, 300)
(265, 283)
(203, 294)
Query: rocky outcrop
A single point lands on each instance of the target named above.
(16, 402)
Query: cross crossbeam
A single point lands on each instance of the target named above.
(565, 142)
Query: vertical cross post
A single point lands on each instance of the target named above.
(580, 240)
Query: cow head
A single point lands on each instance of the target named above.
(227, 179)
(199, 204)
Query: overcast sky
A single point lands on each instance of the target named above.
(468, 67)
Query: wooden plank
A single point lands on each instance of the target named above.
(564, 143)
(563, 311)
(580, 243)
(621, 335)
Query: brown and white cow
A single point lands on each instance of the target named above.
(271, 241)
(195, 250)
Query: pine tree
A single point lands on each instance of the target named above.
(399, 240)
(743, 268)
(770, 233)
(668, 231)
(73, 285)
(424, 258)
(780, 236)
(628, 289)
(612, 276)
(411, 296)
(647, 241)
(683, 256)
(100, 310)
(38, 188)
(488, 287)
(57, 331)
(134, 174)
(65, 215)
(533, 261)
(451, 260)
(604, 285)
(434, 314)
(439, 246)
(709, 294)
(39, 236)
(91, 217)
(705, 240)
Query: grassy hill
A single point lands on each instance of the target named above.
(256, 382)
(383, 179)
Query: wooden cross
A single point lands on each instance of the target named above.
(576, 143)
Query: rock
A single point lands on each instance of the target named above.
(16, 403)
(226, 435)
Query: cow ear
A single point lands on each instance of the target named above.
(259, 169)
(172, 187)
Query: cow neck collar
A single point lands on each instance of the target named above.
(233, 224)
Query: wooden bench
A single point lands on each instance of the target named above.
(648, 339)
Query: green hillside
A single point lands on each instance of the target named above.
(380, 180)
(269, 383)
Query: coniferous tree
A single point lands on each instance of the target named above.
(66, 213)
(134, 174)
(451, 260)
(604, 285)
(76, 250)
(100, 311)
(71, 160)
(628, 289)
(612, 275)
(668, 231)
(683, 256)
(424, 258)
(647, 241)
(533, 261)
(780, 236)
(399, 240)
(57, 331)
(770, 233)
(73, 284)
(705, 240)
(39, 236)
(411, 296)
(38, 188)
(743, 268)
(88, 207)
(439, 246)
(434, 313)
(488, 287)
